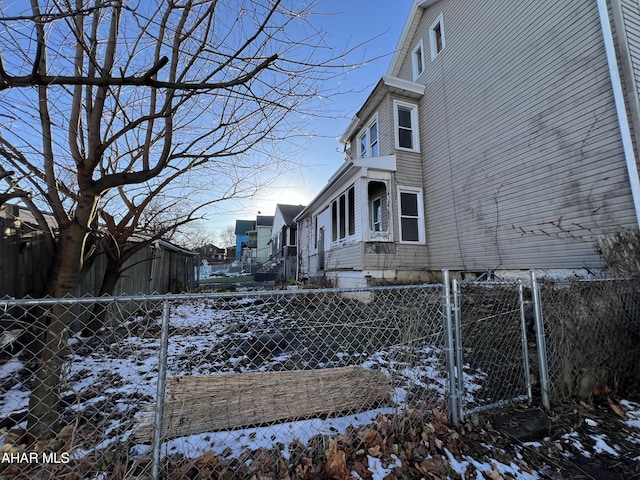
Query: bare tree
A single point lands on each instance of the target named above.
(102, 95)
(228, 236)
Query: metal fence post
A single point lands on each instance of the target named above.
(540, 340)
(525, 346)
(449, 349)
(458, 346)
(160, 392)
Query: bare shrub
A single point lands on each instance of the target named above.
(593, 329)
(621, 252)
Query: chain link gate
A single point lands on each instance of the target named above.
(490, 345)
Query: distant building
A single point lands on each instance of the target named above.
(258, 243)
(243, 227)
(284, 233)
(212, 254)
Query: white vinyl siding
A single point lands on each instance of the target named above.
(525, 174)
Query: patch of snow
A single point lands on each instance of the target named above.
(459, 467)
(378, 471)
(633, 413)
(15, 400)
(13, 366)
(601, 446)
(512, 469)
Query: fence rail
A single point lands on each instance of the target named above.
(242, 384)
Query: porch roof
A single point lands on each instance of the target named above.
(346, 171)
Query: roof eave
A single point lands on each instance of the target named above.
(408, 30)
(392, 84)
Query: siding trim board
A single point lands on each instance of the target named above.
(623, 121)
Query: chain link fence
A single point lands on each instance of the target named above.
(248, 383)
(258, 384)
(592, 336)
(491, 344)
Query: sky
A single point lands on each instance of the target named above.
(348, 23)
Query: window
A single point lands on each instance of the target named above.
(410, 212)
(377, 193)
(351, 201)
(368, 140)
(343, 216)
(417, 60)
(406, 120)
(334, 221)
(376, 214)
(436, 37)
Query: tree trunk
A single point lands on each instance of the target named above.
(43, 417)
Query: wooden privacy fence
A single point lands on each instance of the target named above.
(24, 262)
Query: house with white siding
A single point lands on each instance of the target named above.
(504, 136)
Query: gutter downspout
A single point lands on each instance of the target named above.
(623, 121)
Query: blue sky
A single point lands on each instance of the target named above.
(347, 23)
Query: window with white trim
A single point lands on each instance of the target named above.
(368, 140)
(343, 217)
(411, 215)
(377, 194)
(436, 37)
(406, 126)
(417, 60)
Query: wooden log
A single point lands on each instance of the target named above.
(199, 404)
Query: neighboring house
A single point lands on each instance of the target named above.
(242, 236)
(283, 259)
(284, 231)
(212, 254)
(255, 243)
(498, 140)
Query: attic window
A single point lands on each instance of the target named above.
(417, 59)
(436, 37)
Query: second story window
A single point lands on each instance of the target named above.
(417, 60)
(368, 140)
(406, 126)
(436, 37)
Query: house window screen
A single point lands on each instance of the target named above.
(343, 215)
(409, 217)
(436, 37)
(351, 201)
(377, 192)
(368, 141)
(405, 127)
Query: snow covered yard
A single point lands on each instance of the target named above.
(112, 377)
